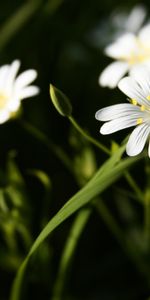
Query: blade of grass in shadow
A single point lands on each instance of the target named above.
(17, 21)
(20, 17)
(52, 5)
(69, 250)
(127, 244)
(42, 138)
(106, 175)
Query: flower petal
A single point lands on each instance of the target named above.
(118, 124)
(137, 139)
(131, 88)
(123, 47)
(4, 116)
(13, 104)
(116, 111)
(25, 79)
(144, 34)
(112, 74)
(136, 18)
(142, 76)
(4, 70)
(13, 69)
(28, 91)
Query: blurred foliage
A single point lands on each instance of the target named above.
(54, 37)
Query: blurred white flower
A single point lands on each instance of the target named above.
(130, 50)
(13, 90)
(137, 112)
(131, 22)
(119, 22)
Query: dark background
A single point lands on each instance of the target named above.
(56, 41)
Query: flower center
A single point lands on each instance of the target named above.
(140, 54)
(142, 108)
(3, 100)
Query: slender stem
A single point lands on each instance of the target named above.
(129, 178)
(61, 155)
(147, 219)
(57, 151)
(88, 137)
(147, 208)
(69, 250)
(109, 220)
(134, 186)
(17, 21)
(125, 243)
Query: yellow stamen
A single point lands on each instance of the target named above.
(142, 107)
(134, 101)
(148, 97)
(139, 121)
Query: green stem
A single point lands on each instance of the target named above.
(125, 243)
(40, 136)
(129, 178)
(134, 186)
(147, 219)
(17, 21)
(61, 155)
(88, 137)
(69, 250)
(147, 208)
(109, 220)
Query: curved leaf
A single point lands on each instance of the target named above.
(110, 171)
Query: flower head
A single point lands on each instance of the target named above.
(129, 50)
(129, 22)
(136, 113)
(116, 24)
(13, 90)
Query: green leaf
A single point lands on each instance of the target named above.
(15, 188)
(69, 250)
(110, 171)
(42, 177)
(60, 101)
(13, 172)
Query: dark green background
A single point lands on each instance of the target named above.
(58, 46)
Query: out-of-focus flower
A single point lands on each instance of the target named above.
(131, 22)
(130, 50)
(119, 22)
(13, 89)
(137, 112)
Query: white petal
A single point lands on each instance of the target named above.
(130, 87)
(25, 79)
(4, 70)
(116, 111)
(137, 140)
(28, 92)
(118, 124)
(4, 116)
(123, 47)
(144, 34)
(13, 105)
(142, 75)
(112, 74)
(136, 18)
(14, 67)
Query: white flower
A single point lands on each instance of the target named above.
(129, 22)
(136, 113)
(130, 50)
(119, 22)
(13, 90)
